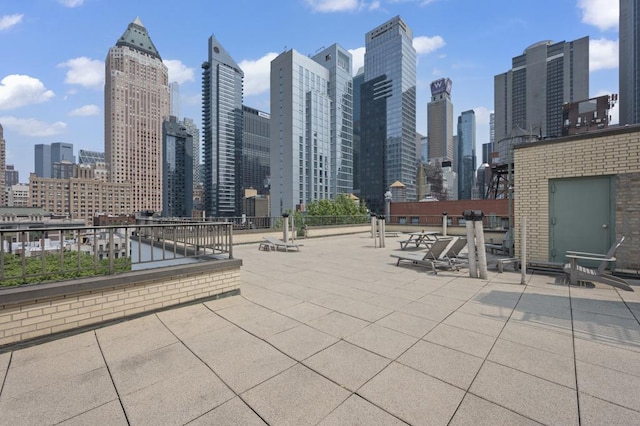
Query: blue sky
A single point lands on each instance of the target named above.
(53, 52)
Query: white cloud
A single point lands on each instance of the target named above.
(32, 127)
(604, 14)
(8, 21)
(603, 54)
(84, 71)
(71, 3)
(482, 115)
(357, 57)
(85, 111)
(424, 44)
(333, 5)
(256, 74)
(178, 71)
(19, 90)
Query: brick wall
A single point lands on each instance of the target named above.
(615, 151)
(41, 317)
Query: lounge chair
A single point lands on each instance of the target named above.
(434, 256)
(579, 273)
(276, 244)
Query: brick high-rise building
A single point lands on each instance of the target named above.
(136, 97)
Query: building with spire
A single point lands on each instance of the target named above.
(222, 122)
(136, 97)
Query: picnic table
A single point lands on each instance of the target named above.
(419, 238)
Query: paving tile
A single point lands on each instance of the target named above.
(295, 397)
(178, 399)
(347, 365)
(536, 337)
(108, 414)
(451, 366)
(530, 396)
(407, 324)
(486, 311)
(244, 312)
(476, 411)
(546, 365)
(607, 307)
(365, 311)
(383, 341)
(147, 332)
(621, 332)
(614, 358)
(338, 324)
(542, 309)
(192, 320)
(269, 299)
(139, 371)
(304, 312)
(462, 340)
(559, 325)
(268, 325)
(301, 342)
(428, 311)
(58, 401)
(356, 411)
(240, 359)
(233, 412)
(414, 397)
(596, 412)
(441, 300)
(227, 302)
(43, 371)
(4, 362)
(53, 348)
(455, 291)
(609, 385)
(490, 327)
(388, 301)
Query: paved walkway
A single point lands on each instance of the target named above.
(338, 335)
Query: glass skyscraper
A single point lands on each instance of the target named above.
(177, 169)
(388, 113)
(629, 62)
(222, 132)
(255, 150)
(311, 125)
(466, 154)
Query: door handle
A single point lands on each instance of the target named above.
(604, 225)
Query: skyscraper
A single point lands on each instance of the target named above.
(42, 160)
(222, 130)
(136, 97)
(193, 130)
(440, 122)
(629, 62)
(528, 98)
(174, 90)
(388, 113)
(358, 79)
(311, 144)
(466, 154)
(177, 172)
(255, 150)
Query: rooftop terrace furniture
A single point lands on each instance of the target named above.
(279, 244)
(504, 247)
(579, 273)
(434, 256)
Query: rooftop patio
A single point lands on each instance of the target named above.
(337, 334)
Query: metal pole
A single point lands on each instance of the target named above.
(382, 231)
(444, 223)
(523, 260)
(285, 228)
(471, 243)
(373, 226)
(482, 253)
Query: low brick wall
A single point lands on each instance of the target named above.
(40, 310)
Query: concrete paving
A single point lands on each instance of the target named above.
(337, 334)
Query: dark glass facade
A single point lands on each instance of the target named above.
(177, 170)
(466, 154)
(255, 151)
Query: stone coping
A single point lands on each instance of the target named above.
(32, 293)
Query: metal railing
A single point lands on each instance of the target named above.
(489, 221)
(48, 254)
(273, 222)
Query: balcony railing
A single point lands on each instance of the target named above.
(48, 254)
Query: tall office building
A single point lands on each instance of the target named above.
(193, 130)
(629, 62)
(61, 151)
(388, 113)
(440, 122)
(11, 175)
(177, 169)
(309, 95)
(42, 160)
(174, 90)
(528, 98)
(136, 97)
(466, 154)
(222, 130)
(358, 79)
(3, 160)
(255, 151)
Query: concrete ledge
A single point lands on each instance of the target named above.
(29, 312)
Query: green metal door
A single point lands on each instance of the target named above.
(581, 215)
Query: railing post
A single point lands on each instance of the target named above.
(285, 227)
(111, 253)
(444, 223)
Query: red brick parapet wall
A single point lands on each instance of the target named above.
(497, 207)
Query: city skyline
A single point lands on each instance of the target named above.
(52, 89)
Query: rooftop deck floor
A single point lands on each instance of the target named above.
(337, 334)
